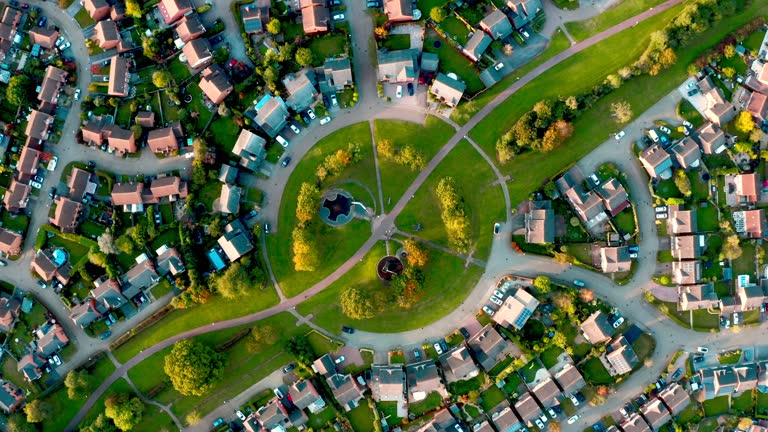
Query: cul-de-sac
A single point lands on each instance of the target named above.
(383, 215)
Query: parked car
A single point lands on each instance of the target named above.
(41, 22)
(105, 335)
(620, 135)
(266, 228)
(65, 45)
(278, 393)
(618, 322)
(3, 263)
(417, 355)
(325, 120)
(665, 130)
(77, 94)
(438, 348)
(399, 92)
(339, 360)
(573, 419)
(338, 17)
(37, 179)
(574, 400)
(52, 192)
(498, 293)
(496, 228)
(286, 161)
(702, 349)
(232, 63)
(623, 412)
(216, 39)
(410, 89)
(335, 3)
(595, 179)
(311, 114)
(678, 373)
(35, 184)
(240, 415)
(495, 300)
(283, 142)
(464, 333)
(334, 101)
(579, 283)
(59, 41)
(295, 128)
(25, 5)
(552, 413)
(498, 66)
(488, 311)
(347, 330)
(218, 422)
(634, 249)
(539, 424)
(372, 4)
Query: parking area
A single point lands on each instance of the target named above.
(419, 97)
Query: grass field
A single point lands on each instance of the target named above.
(491, 397)
(454, 27)
(483, 199)
(335, 244)
(581, 30)
(361, 417)
(397, 42)
(327, 46)
(65, 408)
(427, 138)
(716, 406)
(592, 127)
(225, 133)
(595, 373)
(447, 283)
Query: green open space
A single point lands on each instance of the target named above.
(585, 70)
(427, 139)
(745, 264)
(454, 27)
(84, 19)
(453, 61)
(686, 111)
(753, 41)
(225, 132)
(730, 357)
(595, 373)
(361, 418)
(743, 404)
(622, 11)
(431, 402)
(327, 46)
(15, 223)
(528, 372)
(395, 42)
(463, 387)
(388, 411)
(549, 356)
(335, 244)
(707, 218)
(716, 406)
(491, 397)
(446, 285)
(484, 200)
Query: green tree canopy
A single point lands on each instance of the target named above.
(304, 57)
(274, 26)
(543, 284)
(37, 411)
(100, 424)
(193, 368)
(125, 411)
(261, 336)
(438, 14)
(355, 304)
(161, 79)
(17, 423)
(744, 122)
(77, 383)
(18, 91)
(235, 282)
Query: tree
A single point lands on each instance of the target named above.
(261, 336)
(304, 57)
(300, 347)
(77, 383)
(729, 51)
(563, 301)
(307, 203)
(755, 135)
(560, 340)
(100, 424)
(224, 111)
(355, 304)
(37, 411)
(193, 368)
(125, 411)
(729, 72)
(381, 32)
(161, 79)
(234, 282)
(731, 248)
(98, 258)
(106, 244)
(744, 122)
(17, 423)
(18, 91)
(473, 396)
(557, 134)
(417, 256)
(543, 284)
(613, 81)
(194, 417)
(385, 149)
(454, 215)
(744, 422)
(621, 111)
(438, 14)
(305, 256)
(586, 295)
(150, 46)
(273, 26)
(682, 182)
(132, 8)
(572, 103)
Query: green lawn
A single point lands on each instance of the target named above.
(454, 27)
(745, 264)
(581, 30)
(453, 61)
(512, 383)
(84, 19)
(225, 133)
(644, 346)
(427, 5)
(327, 46)
(584, 70)
(395, 42)
(321, 419)
(432, 401)
(549, 357)
(752, 43)
(15, 223)
(389, 411)
(361, 417)
(447, 283)
(529, 370)
(427, 139)
(761, 405)
(707, 218)
(162, 288)
(687, 111)
(178, 70)
(335, 245)
(484, 200)
(626, 220)
(464, 387)
(743, 404)
(595, 373)
(716, 406)
(321, 344)
(491, 397)
(730, 357)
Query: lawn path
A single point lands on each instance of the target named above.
(466, 257)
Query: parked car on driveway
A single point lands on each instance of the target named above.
(573, 418)
(338, 17)
(488, 310)
(240, 415)
(325, 120)
(399, 92)
(496, 300)
(437, 348)
(702, 349)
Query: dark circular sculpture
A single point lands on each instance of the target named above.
(336, 209)
(388, 267)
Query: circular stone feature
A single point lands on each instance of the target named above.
(388, 267)
(337, 208)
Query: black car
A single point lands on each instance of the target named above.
(410, 89)
(306, 119)
(289, 368)
(216, 39)
(286, 161)
(52, 192)
(91, 165)
(464, 333)
(347, 330)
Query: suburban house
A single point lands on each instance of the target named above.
(489, 348)
(523, 11)
(504, 418)
(687, 247)
(17, 196)
(588, 205)
(448, 89)
(301, 89)
(229, 199)
(107, 292)
(11, 397)
(119, 140)
(615, 259)
(10, 242)
(596, 328)
(107, 36)
(477, 45)
(681, 221)
(540, 223)
(516, 309)
(53, 80)
(254, 17)
(675, 398)
(227, 174)
(687, 153)
(189, 27)
(67, 215)
(718, 110)
(324, 366)
(43, 36)
(31, 366)
(496, 24)
(346, 390)
(119, 77)
(80, 184)
(198, 53)
(423, 379)
(271, 114)
(747, 188)
(711, 139)
(656, 162)
(338, 73)
(727, 380)
(215, 84)
(527, 409)
(699, 296)
(757, 105)
(145, 119)
(251, 149)
(750, 223)
(50, 339)
(655, 413)
(750, 296)
(398, 66)
(686, 272)
(570, 379)
(97, 9)
(29, 160)
(165, 140)
(428, 65)
(274, 416)
(547, 392)
(458, 364)
(614, 196)
(142, 275)
(9, 311)
(173, 10)
(168, 260)
(398, 10)
(619, 357)
(86, 312)
(442, 421)
(634, 423)
(305, 396)
(133, 196)
(48, 266)
(387, 383)
(38, 124)
(235, 241)
(315, 16)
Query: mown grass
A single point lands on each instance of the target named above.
(622, 11)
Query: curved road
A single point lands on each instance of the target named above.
(387, 221)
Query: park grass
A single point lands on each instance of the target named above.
(446, 285)
(484, 200)
(453, 61)
(581, 30)
(180, 320)
(335, 245)
(427, 138)
(586, 69)
(119, 386)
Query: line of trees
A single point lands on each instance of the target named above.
(542, 129)
(406, 155)
(454, 215)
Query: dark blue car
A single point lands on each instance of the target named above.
(42, 21)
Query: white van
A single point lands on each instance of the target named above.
(653, 135)
(283, 142)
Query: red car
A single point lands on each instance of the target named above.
(232, 63)
(25, 5)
